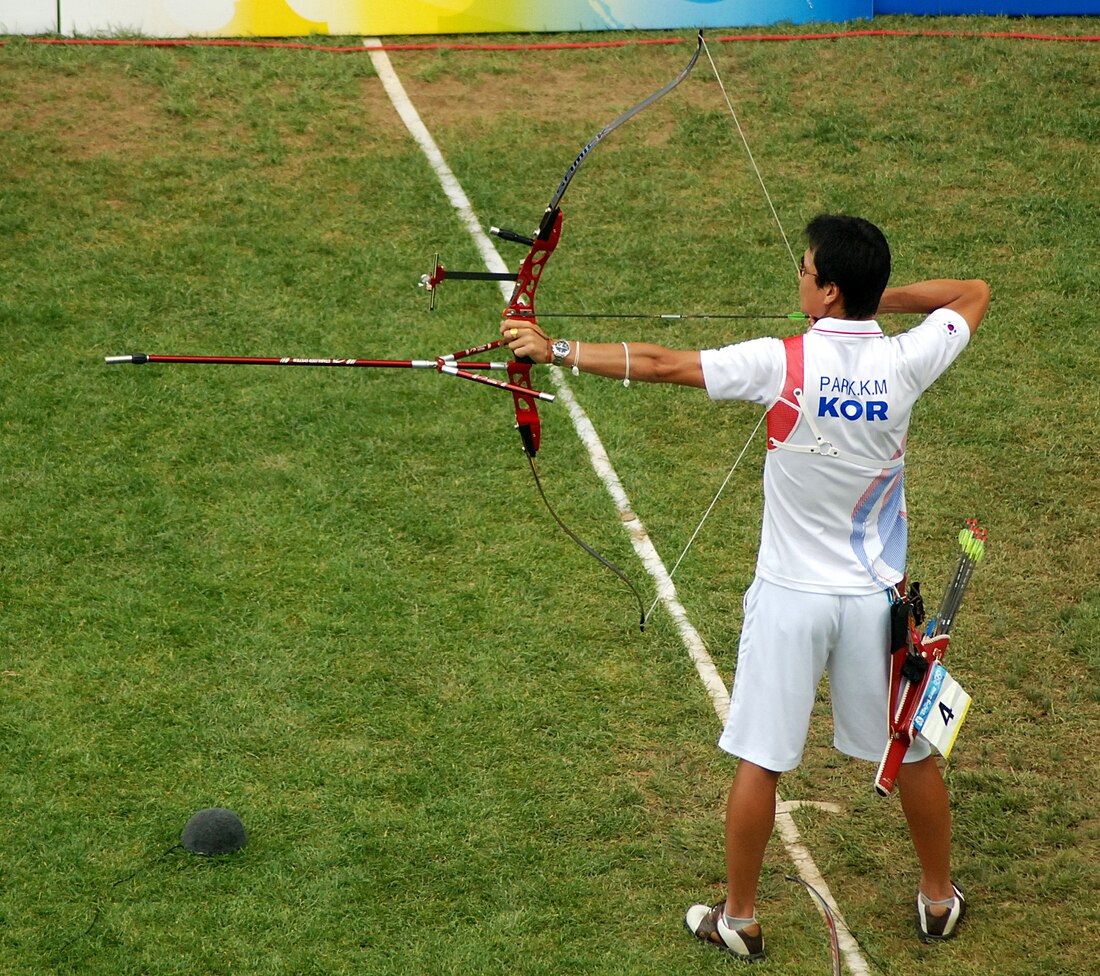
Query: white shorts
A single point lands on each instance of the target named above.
(788, 640)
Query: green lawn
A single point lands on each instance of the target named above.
(331, 600)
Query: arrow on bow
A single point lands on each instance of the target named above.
(520, 306)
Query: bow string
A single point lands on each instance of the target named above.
(794, 317)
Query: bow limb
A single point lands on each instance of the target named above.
(612, 126)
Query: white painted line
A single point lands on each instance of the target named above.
(451, 187)
(643, 545)
(806, 867)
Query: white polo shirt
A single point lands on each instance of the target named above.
(833, 524)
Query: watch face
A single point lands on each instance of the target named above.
(560, 349)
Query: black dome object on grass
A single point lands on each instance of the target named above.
(214, 831)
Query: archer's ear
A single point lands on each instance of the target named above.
(834, 298)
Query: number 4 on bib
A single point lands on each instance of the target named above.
(942, 711)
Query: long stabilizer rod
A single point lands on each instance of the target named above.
(441, 364)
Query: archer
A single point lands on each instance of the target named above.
(833, 538)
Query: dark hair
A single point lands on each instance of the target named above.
(851, 253)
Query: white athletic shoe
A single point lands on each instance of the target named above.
(708, 923)
(940, 928)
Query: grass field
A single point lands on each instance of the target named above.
(330, 599)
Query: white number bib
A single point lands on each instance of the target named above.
(942, 711)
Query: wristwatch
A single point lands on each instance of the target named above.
(560, 348)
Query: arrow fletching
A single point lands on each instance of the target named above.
(972, 543)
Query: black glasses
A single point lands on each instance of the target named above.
(803, 270)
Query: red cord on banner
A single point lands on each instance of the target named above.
(541, 46)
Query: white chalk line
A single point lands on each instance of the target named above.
(639, 537)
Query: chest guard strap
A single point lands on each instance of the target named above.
(790, 408)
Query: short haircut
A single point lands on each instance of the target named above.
(853, 254)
